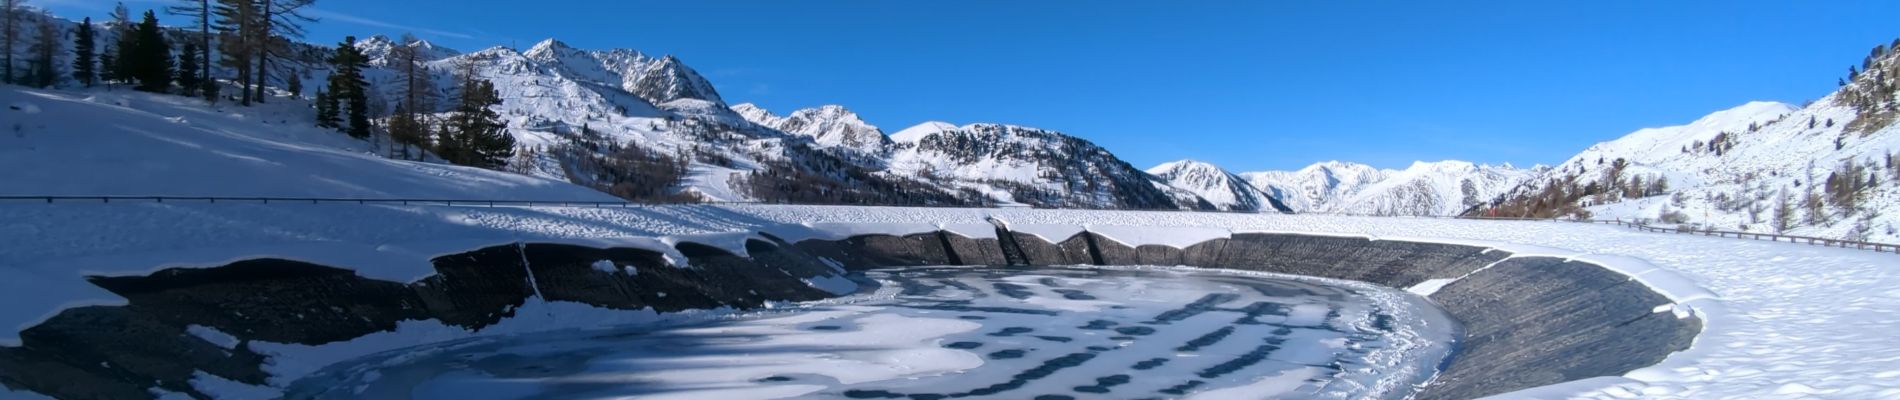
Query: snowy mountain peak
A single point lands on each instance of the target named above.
(547, 46)
(1444, 166)
(756, 114)
(1186, 167)
(670, 79)
(378, 49)
(1218, 187)
(919, 131)
(827, 125)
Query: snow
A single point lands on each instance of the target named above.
(24, 107)
(85, 144)
(1176, 237)
(219, 387)
(1284, 382)
(713, 183)
(291, 361)
(918, 132)
(1430, 286)
(212, 335)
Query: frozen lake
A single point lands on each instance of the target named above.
(955, 332)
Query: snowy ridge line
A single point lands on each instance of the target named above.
(5, 199)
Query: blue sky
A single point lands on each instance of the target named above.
(1249, 85)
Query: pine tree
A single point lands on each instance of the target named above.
(84, 70)
(407, 127)
(44, 66)
(109, 66)
(237, 22)
(294, 84)
(122, 53)
(9, 35)
(447, 144)
(188, 71)
(263, 31)
(326, 110)
(1816, 208)
(476, 135)
(151, 64)
(348, 87)
(1784, 213)
(406, 130)
(200, 13)
(210, 89)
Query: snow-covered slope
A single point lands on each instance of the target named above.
(1223, 189)
(1822, 169)
(919, 131)
(1425, 188)
(127, 143)
(1734, 170)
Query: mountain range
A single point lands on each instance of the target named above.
(651, 128)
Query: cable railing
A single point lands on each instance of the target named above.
(1632, 224)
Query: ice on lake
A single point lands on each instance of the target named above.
(957, 332)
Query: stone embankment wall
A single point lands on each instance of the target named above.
(1529, 321)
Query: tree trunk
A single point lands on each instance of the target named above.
(263, 48)
(204, 38)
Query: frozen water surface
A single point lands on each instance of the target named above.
(954, 332)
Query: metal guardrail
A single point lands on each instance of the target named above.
(1638, 225)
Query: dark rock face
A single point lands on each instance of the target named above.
(1528, 321)
(878, 251)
